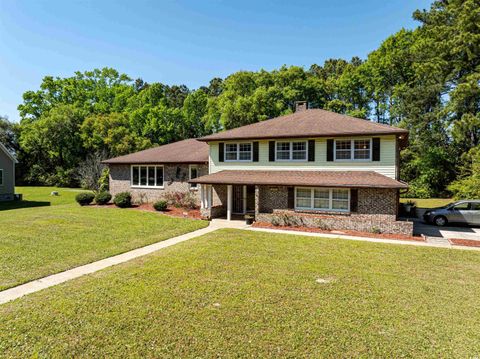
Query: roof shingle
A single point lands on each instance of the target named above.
(187, 151)
(350, 179)
(308, 123)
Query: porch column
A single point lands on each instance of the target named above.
(202, 196)
(257, 201)
(229, 202)
(209, 197)
(244, 199)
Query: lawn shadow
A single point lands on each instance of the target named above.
(5, 206)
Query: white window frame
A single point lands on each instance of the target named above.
(290, 157)
(193, 186)
(352, 150)
(156, 186)
(330, 200)
(237, 144)
(1, 176)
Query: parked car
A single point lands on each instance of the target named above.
(466, 212)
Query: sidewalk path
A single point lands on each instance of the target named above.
(54, 279)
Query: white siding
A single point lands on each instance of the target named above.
(386, 165)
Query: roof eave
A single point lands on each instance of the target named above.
(108, 162)
(313, 135)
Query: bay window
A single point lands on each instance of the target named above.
(353, 150)
(326, 199)
(291, 151)
(238, 151)
(146, 176)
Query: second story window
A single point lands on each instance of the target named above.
(291, 151)
(238, 152)
(353, 150)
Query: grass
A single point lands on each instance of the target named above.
(39, 241)
(248, 294)
(40, 197)
(428, 202)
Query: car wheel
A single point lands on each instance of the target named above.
(440, 221)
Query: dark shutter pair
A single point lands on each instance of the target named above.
(221, 152)
(375, 149)
(311, 151)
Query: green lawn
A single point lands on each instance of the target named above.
(249, 294)
(39, 241)
(428, 202)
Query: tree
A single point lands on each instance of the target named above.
(52, 145)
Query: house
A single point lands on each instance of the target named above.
(149, 174)
(313, 167)
(7, 174)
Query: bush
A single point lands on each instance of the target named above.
(181, 199)
(103, 197)
(84, 198)
(123, 200)
(160, 205)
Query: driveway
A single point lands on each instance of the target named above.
(459, 232)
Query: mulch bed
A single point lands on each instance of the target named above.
(464, 242)
(344, 232)
(171, 211)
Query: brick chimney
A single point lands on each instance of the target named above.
(300, 106)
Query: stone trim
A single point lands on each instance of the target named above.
(357, 222)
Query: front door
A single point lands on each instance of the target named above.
(238, 199)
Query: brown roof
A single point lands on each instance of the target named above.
(308, 123)
(351, 179)
(187, 151)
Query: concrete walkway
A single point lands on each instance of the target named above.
(54, 279)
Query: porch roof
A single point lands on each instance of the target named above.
(350, 179)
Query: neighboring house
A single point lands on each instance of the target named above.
(313, 167)
(149, 174)
(7, 174)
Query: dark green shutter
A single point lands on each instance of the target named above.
(255, 151)
(291, 198)
(271, 151)
(221, 152)
(330, 150)
(376, 149)
(311, 150)
(354, 200)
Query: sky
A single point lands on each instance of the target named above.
(184, 42)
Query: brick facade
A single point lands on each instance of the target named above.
(376, 211)
(176, 178)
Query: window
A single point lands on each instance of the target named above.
(147, 176)
(474, 206)
(291, 151)
(353, 150)
(193, 174)
(329, 199)
(462, 206)
(238, 152)
(1, 177)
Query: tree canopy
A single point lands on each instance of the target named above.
(426, 80)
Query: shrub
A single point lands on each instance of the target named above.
(103, 197)
(160, 205)
(181, 199)
(123, 200)
(84, 198)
